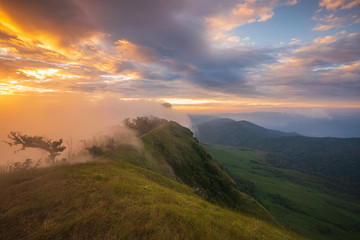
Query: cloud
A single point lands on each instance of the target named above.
(71, 38)
(225, 69)
(130, 52)
(170, 27)
(220, 25)
(72, 117)
(327, 69)
(157, 49)
(325, 40)
(324, 27)
(50, 21)
(294, 41)
(331, 21)
(247, 12)
(335, 4)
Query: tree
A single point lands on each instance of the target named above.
(143, 124)
(96, 151)
(54, 148)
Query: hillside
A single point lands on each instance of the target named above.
(334, 159)
(111, 198)
(297, 200)
(171, 150)
(194, 166)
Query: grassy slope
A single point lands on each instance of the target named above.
(295, 199)
(194, 166)
(113, 199)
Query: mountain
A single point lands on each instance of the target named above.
(169, 188)
(234, 133)
(312, 123)
(198, 119)
(172, 151)
(334, 159)
(194, 166)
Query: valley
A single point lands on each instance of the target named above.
(297, 200)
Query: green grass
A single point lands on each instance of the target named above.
(297, 200)
(113, 199)
(191, 164)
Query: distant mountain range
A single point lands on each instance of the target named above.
(336, 159)
(230, 132)
(320, 124)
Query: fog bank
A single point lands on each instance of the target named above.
(72, 118)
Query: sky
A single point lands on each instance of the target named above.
(202, 56)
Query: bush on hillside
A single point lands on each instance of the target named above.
(143, 125)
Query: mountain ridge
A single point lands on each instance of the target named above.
(128, 193)
(226, 131)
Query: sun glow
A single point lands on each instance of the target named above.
(187, 101)
(42, 40)
(47, 74)
(13, 87)
(40, 73)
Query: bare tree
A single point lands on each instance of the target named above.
(54, 148)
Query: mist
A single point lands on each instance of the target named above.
(77, 119)
(313, 122)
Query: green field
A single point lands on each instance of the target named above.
(297, 200)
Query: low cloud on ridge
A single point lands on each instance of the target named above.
(72, 117)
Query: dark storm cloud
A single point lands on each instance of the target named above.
(177, 30)
(149, 23)
(225, 69)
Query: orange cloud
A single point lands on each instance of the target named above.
(324, 27)
(326, 40)
(330, 21)
(334, 4)
(13, 86)
(247, 12)
(40, 51)
(52, 24)
(131, 52)
(349, 73)
(294, 41)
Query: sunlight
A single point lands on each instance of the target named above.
(188, 101)
(47, 74)
(13, 87)
(40, 73)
